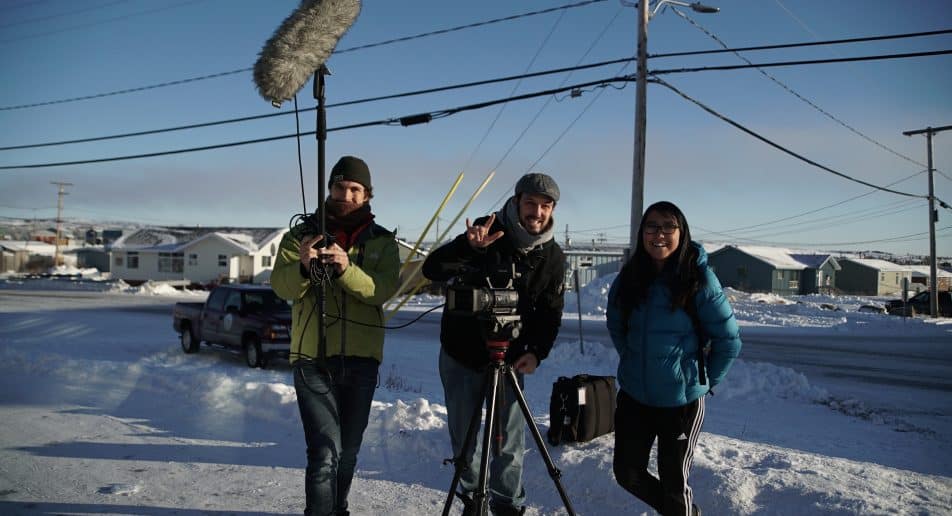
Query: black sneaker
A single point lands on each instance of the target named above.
(507, 510)
(469, 506)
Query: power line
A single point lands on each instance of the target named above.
(548, 101)
(796, 94)
(783, 219)
(894, 239)
(338, 51)
(338, 104)
(803, 44)
(60, 15)
(101, 22)
(404, 121)
(879, 57)
(776, 145)
(515, 88)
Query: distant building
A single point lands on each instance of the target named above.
(868, 277)
(26, 256)
(196, 256)
(757, 269)
(922, 276)
(95, 257)
(591, 264)
(819, 274)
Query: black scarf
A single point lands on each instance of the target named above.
(346, 222)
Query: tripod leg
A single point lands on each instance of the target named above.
(482, 491)
(540, 444)
(461, 461)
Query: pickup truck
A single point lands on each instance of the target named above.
(247, 318)
(919, 304)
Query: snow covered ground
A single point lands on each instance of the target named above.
(101, 413)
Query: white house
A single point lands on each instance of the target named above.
(210, 255)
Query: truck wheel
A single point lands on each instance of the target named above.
(190, 343)
(253, 355)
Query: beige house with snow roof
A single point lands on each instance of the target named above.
(869, 277)
(196, 256)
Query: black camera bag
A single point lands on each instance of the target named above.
(581, 408)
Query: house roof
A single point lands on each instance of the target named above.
(177, 238)
(30, 246)
(923, 270)
(879, 265)
(777, 257)
(815, 261)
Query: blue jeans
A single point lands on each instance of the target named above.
(335, 406)
(463, 390)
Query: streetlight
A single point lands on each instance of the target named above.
(641, 81)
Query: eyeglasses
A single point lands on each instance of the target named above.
(667, 228)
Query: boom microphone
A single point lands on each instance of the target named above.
(301, 45)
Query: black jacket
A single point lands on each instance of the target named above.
(540, 290)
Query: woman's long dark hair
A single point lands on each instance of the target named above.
(680, 271)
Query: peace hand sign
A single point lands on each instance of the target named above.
(479, 237)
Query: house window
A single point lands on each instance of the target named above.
(779, 275)
(118, 261)
(133, 260)
(222, 260)
(882, 276)
(193, 259)
(171, 262)
(266, 261)
(794, 284)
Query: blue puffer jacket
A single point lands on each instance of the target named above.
(658, 347)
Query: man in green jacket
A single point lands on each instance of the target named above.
(335, 382)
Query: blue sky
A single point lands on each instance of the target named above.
(723, 179)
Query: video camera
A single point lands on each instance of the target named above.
(490, 297)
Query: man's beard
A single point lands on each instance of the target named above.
(342, 208)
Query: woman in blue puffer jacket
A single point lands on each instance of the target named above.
(661, 396)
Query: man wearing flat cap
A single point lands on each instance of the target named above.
(335, 382)
(519, 234)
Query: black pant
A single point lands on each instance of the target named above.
(677, 430)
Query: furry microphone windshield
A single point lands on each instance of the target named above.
(303, 42)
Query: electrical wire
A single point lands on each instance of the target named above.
(546, 104)
(101, 22)
(338, 104)
(515, 88)
(878, 57)
(796, 94)
(784, 219)
(338, 51)
(60, 15)
(407, 120)
(802, 44)
(895, 239)
(776, 145)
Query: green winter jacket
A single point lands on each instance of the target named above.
(356, 295)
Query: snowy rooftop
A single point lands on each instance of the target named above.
(923, 270)
(248, 238)
(880, 265)
(776, 256)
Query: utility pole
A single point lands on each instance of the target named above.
(933, 218)
(59, 218)
(641, 103)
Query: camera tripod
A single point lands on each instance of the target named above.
(495, 373)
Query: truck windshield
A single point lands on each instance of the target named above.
(265, 302)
